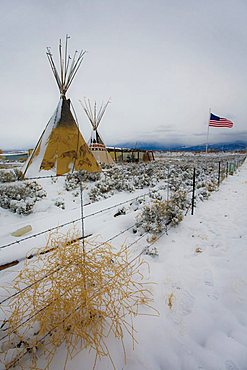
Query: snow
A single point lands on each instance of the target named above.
(206, 328)
(200, 280)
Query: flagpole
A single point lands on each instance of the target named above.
(208, 130)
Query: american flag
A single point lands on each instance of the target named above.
(216, 121)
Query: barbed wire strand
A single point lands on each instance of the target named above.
(75, 241)
(120, 232)
(151, 243)
(78, 307)
(54, 300)
(71, 222)
(91, 250)
(59, 268)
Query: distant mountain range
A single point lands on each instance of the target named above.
(230, 146)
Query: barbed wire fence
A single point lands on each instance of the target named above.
(223, 169)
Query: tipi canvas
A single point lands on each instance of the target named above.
(61, 147)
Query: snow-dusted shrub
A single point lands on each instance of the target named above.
(156, 216)
(21, 196)
(136, 204)
(101, 188)
(174, 214)
(212, 186)
(180, 199)
(154, 194)
(151, 251)
(127, 177)
(59, 202)
(54, 180)
(203, 194)
(10, 175)
(173, 177)
(105, 188)
(100, 191)
(120, 211)
(94, 194)
(72, 180)
(106, 166)
(153, 217)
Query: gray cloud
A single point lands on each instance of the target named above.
(164, 64)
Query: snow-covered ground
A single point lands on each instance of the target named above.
(200, 276)
(202, 263)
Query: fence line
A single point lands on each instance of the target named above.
(102, 210)
(113, 237)
(72, 222)
(43, 308)
(13, 363)
(59, 268)
(87, 252)
(111, 207)
(195, 160)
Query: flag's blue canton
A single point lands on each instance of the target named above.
(214, 117)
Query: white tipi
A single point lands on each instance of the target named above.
(61, 147)
(96, 143)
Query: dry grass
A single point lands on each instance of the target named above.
(170, 300)
(75, 298)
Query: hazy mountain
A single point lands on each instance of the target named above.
(230, 146)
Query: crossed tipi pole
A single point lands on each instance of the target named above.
(61, 147)
(96, 142)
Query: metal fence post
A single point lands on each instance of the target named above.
(219, 175)
(193, 191)
(168, 184)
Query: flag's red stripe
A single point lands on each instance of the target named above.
(222, 122)
(221, 125)
(225, 123)
(230, 126)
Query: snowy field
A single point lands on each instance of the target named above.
(198, 265)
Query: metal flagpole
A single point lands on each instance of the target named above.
(208, 130)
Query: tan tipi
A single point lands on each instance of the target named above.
(61, 147)
(96, 143)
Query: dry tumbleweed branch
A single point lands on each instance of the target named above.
(73, 297)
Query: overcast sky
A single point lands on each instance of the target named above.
(164, 63)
